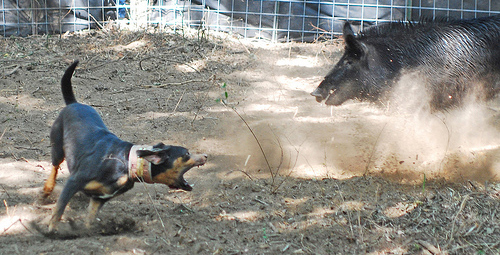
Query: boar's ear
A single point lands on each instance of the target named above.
(353, 46)
(347, 30)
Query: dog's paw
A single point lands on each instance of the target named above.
(62, 231)
(45, 198)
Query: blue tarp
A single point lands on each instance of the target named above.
(303, 20)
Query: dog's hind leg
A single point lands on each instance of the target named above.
(57, 153)
(50, 183)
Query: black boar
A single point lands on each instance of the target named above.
(457, 59)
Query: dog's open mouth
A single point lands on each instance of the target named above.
(195, 160)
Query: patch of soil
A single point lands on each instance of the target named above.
(354, 179)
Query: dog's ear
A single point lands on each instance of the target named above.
(155, 156)
(160, 145)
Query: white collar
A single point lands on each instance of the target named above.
(139, 169)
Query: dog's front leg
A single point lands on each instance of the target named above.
(72, 186)
(94, 206)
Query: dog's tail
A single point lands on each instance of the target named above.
(66, 88)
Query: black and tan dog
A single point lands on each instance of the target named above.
(100, 164)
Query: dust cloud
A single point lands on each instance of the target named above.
(400, 139)
(459, 143)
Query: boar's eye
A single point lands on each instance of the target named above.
(350, 62)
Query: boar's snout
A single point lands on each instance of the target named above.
(320, 94)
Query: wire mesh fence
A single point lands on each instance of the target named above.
(275, 20)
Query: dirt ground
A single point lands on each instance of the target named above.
(353, 179)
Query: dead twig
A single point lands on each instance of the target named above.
(447, 142)
(171, 84)
(20, 221)
(105, 63)
(245, 173)
(338, 223)
(462, 205)
(195, 115)
(96, 21)
(169, 60)
(7, 228)
(8, 195)
(256, 139)
(431, 248)
(157, 212)
(16, 68)
(319, 29)
(281, 159)
(178, 102)
(3, 133)
(294, 163)
(27, 148)
(260, 201)
(13, 223)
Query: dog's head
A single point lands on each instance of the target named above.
(171, 162)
